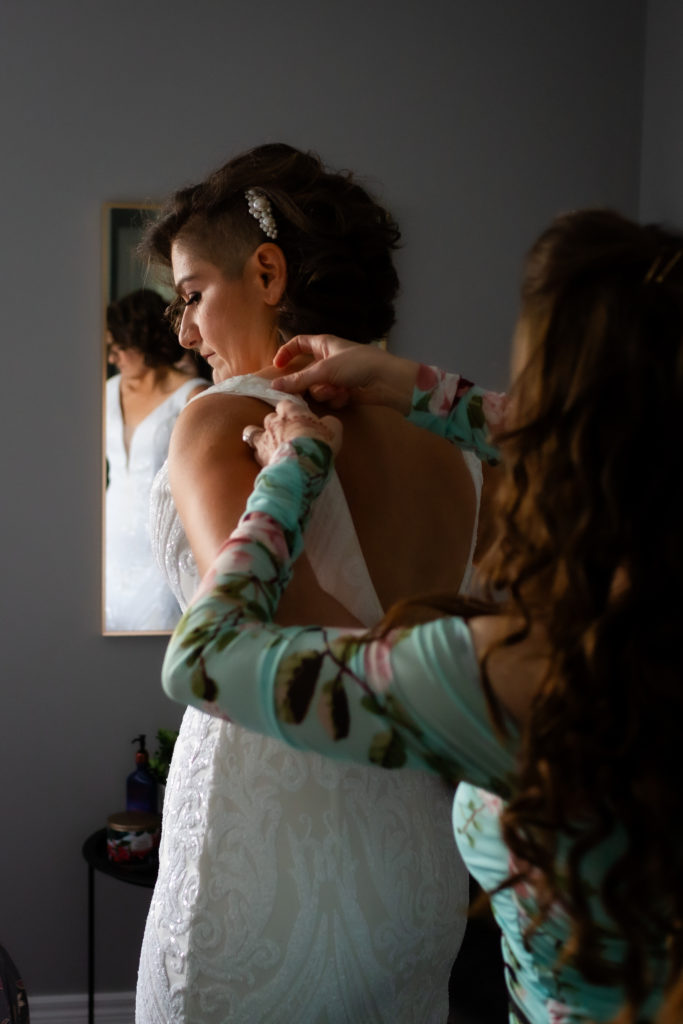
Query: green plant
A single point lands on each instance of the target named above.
(160, 761)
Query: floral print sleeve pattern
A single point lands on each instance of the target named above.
(455, 408)
(409, 699)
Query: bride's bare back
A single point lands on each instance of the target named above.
(413, 503)
(410, 493)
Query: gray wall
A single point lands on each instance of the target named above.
(475, 120)
(661, 196)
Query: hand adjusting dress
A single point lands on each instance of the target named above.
(292, 888)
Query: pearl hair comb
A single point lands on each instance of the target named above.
(260, 208)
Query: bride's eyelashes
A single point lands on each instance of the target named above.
(192, 299)
(174, 312)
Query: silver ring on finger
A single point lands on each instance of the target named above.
(249, 434)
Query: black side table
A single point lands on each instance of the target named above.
(95, 853)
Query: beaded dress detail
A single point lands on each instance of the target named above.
(292, 887)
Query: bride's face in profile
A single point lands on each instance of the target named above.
(226, 319)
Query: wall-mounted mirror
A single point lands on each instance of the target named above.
(147, 380)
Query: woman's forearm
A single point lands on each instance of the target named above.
(250, 572)
(394, 701)
(455, 408)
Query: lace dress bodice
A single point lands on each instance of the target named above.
(292, 888)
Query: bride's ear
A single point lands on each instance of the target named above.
(270, 272)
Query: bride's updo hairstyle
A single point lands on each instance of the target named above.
(337, 240)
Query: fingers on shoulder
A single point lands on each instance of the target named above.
(317, 345)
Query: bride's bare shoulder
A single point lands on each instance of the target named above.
(216, 418)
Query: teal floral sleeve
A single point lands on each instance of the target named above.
(410, 699)
(455, 408)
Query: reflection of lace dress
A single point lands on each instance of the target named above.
(137, 596)
(293, 889)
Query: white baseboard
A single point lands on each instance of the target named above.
(110, 1008)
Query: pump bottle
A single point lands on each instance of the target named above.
(141, 789)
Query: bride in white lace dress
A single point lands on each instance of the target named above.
(294, 889)
(143, 401)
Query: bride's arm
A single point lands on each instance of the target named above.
(212, 473)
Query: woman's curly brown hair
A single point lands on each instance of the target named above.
(337, 240)
(591, 545)
(137, 320)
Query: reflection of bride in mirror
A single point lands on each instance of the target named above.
(291, 888)
(143, 401)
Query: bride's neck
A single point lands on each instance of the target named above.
(147, 381)
(270, 372)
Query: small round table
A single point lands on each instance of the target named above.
(95, 853)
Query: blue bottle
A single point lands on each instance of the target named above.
(141, 788)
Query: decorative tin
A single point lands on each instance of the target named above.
(133, 837)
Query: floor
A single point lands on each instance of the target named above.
(477, 986)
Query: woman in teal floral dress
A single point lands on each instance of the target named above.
(556, 710)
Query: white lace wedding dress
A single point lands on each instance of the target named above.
(293, 889)
(137, 596)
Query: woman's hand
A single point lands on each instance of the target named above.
(344, 372)
(288, 422)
